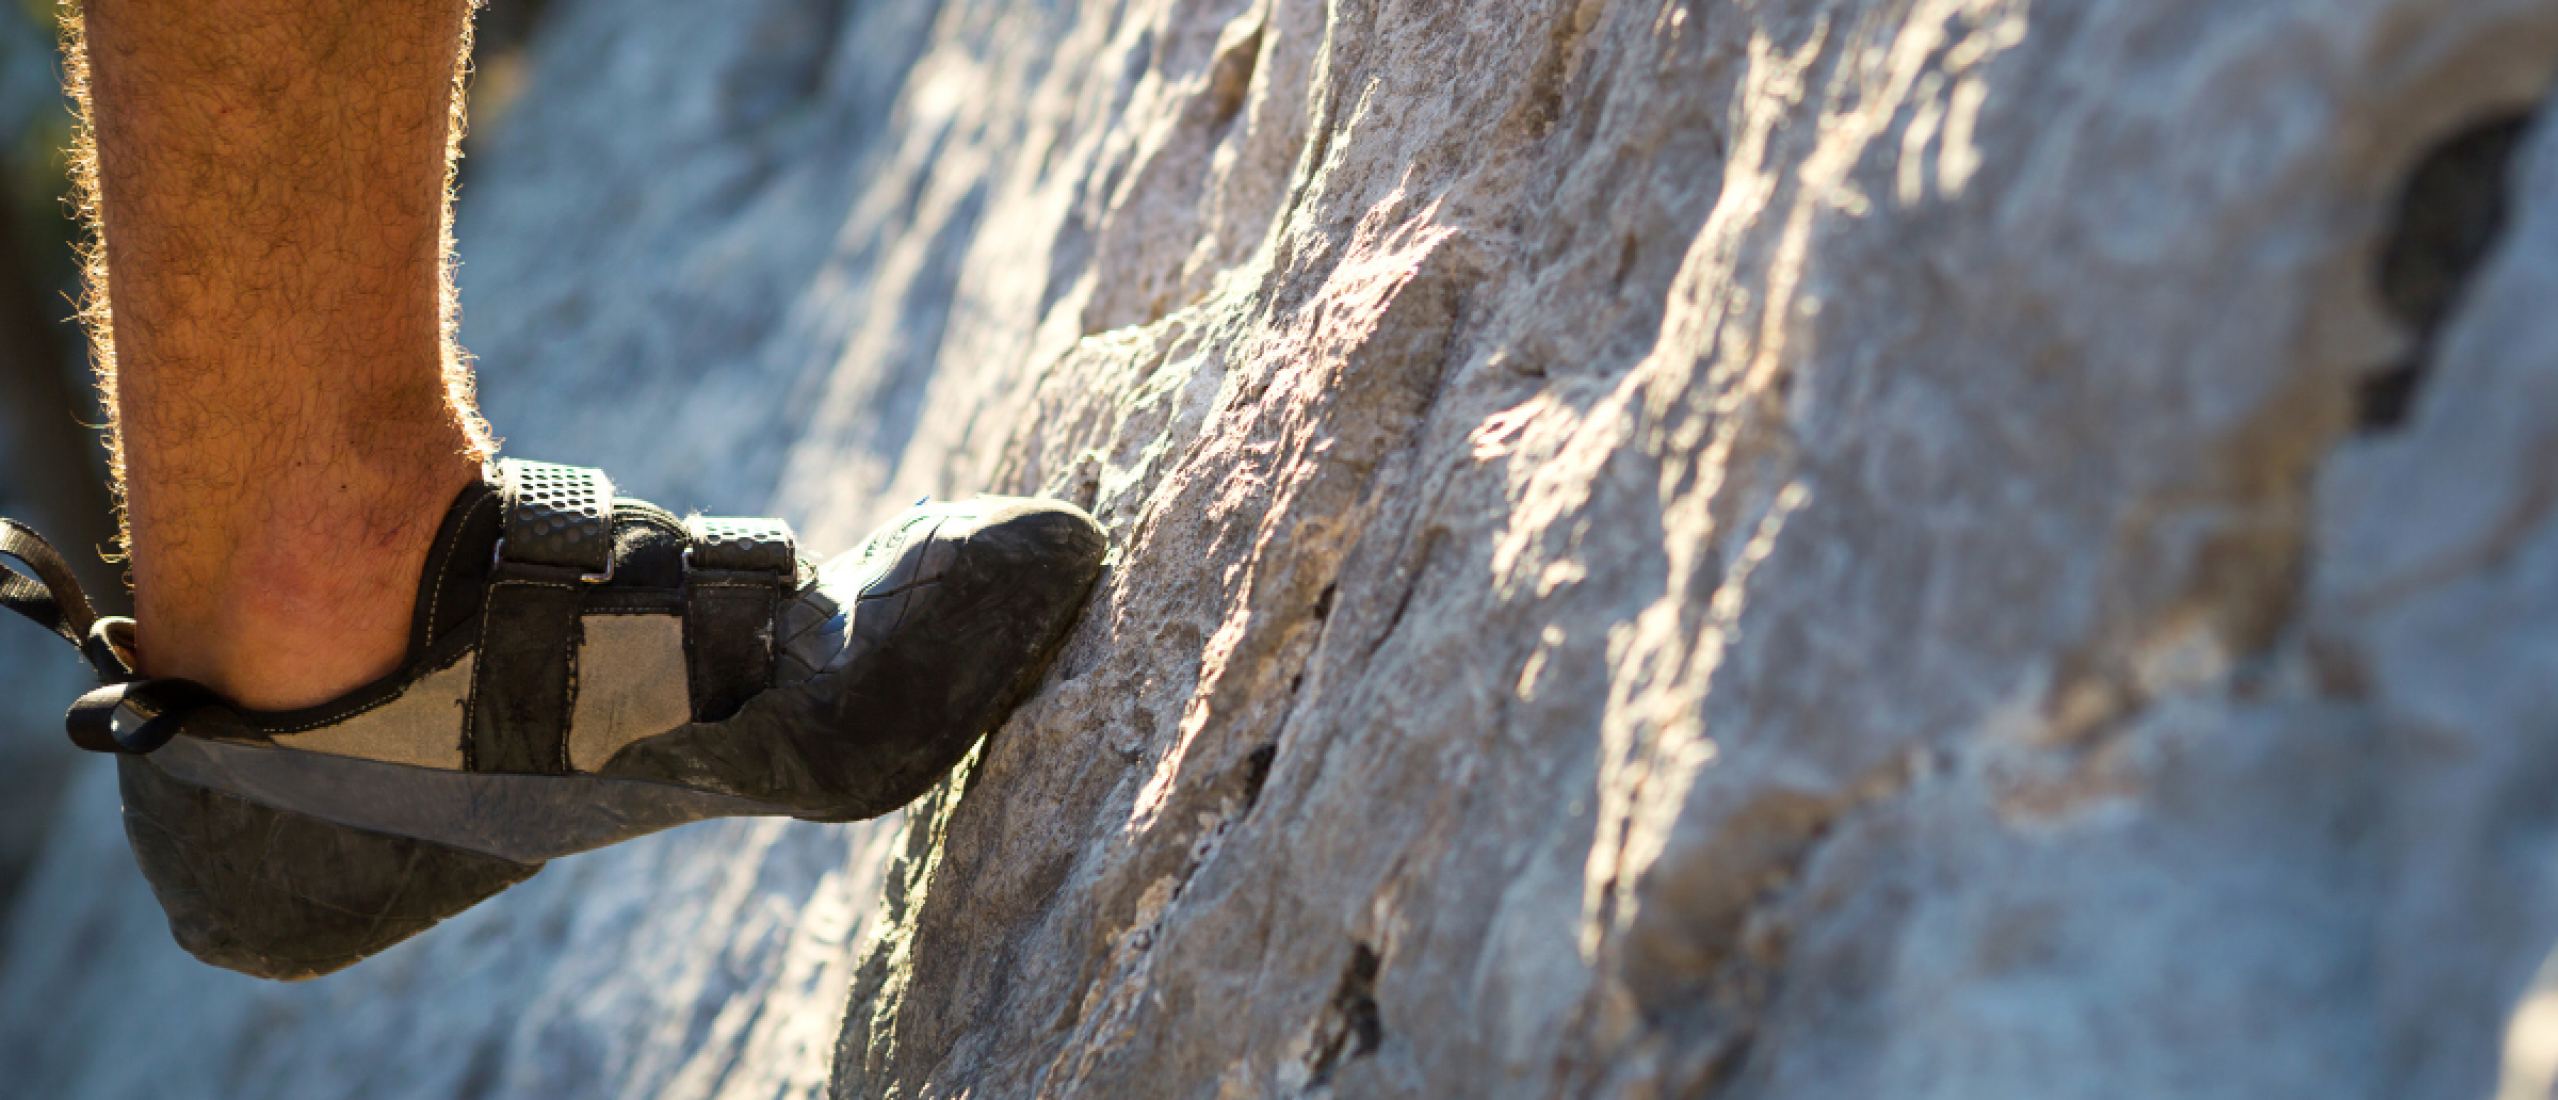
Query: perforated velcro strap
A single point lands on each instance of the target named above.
(736, 572)
(743, 546)
(557, 539)
(558, 517)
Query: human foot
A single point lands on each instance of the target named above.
(582, 670)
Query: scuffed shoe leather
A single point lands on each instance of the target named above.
(286, 896)
(957, 608)
(582, 670)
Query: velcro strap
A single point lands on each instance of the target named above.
(728, 643)
(52, 597)
(136, 717)
(525, 678)
(558, 517)
(556, 538)
(736, 572)
(743, 546)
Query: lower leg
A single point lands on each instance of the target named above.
(272, 319)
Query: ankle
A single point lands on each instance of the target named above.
(312, 599)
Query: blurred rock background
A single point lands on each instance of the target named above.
(54, 470)
(1801, 548)
(709, 962)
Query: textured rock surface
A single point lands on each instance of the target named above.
(1791, 548)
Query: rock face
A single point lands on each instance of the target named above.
(1802, 548)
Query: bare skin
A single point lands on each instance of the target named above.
(291, 415)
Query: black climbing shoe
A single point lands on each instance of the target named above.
(581, 670)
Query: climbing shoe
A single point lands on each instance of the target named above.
(581, 670)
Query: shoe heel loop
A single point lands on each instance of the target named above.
(136, 717)
(51, 596)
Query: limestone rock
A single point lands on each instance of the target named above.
(1796, 549)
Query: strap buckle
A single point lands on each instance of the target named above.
(137, 717)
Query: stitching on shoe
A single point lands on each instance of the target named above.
(692, 677)
(568, 704)
(377, 704)
(367, 708)
(900, 590)
(479, 671)
(435, 598)
(358, 712)
(434, 606)
(471, 709)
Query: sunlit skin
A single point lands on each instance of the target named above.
(291, 416)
